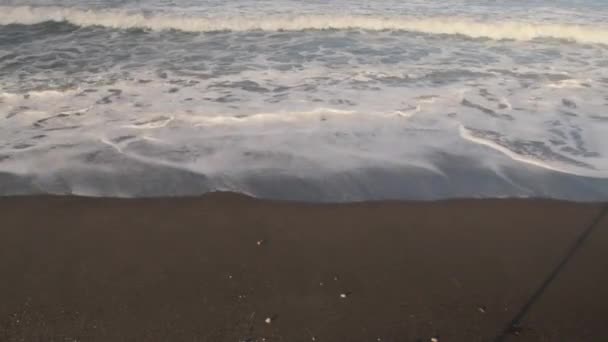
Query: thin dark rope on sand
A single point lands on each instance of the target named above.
(513, 327)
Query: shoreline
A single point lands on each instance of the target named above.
(221, 266)
(215, 195)
(454, 177)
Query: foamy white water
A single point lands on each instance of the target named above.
(338, 101)
(293, 22)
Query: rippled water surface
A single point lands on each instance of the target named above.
(314, 100)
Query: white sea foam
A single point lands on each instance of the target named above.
(268, 118)
(467, 135)
(152, 125)
(569, 84)
(432, 25)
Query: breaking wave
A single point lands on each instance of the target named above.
(26, 15)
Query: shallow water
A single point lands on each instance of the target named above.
(341, 100)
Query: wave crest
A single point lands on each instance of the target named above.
(27, 15)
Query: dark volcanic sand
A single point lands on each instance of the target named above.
(75, 269)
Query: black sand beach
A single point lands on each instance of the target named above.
(225, 267)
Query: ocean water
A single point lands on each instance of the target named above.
(342, 100)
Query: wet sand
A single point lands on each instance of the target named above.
(225, 267)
